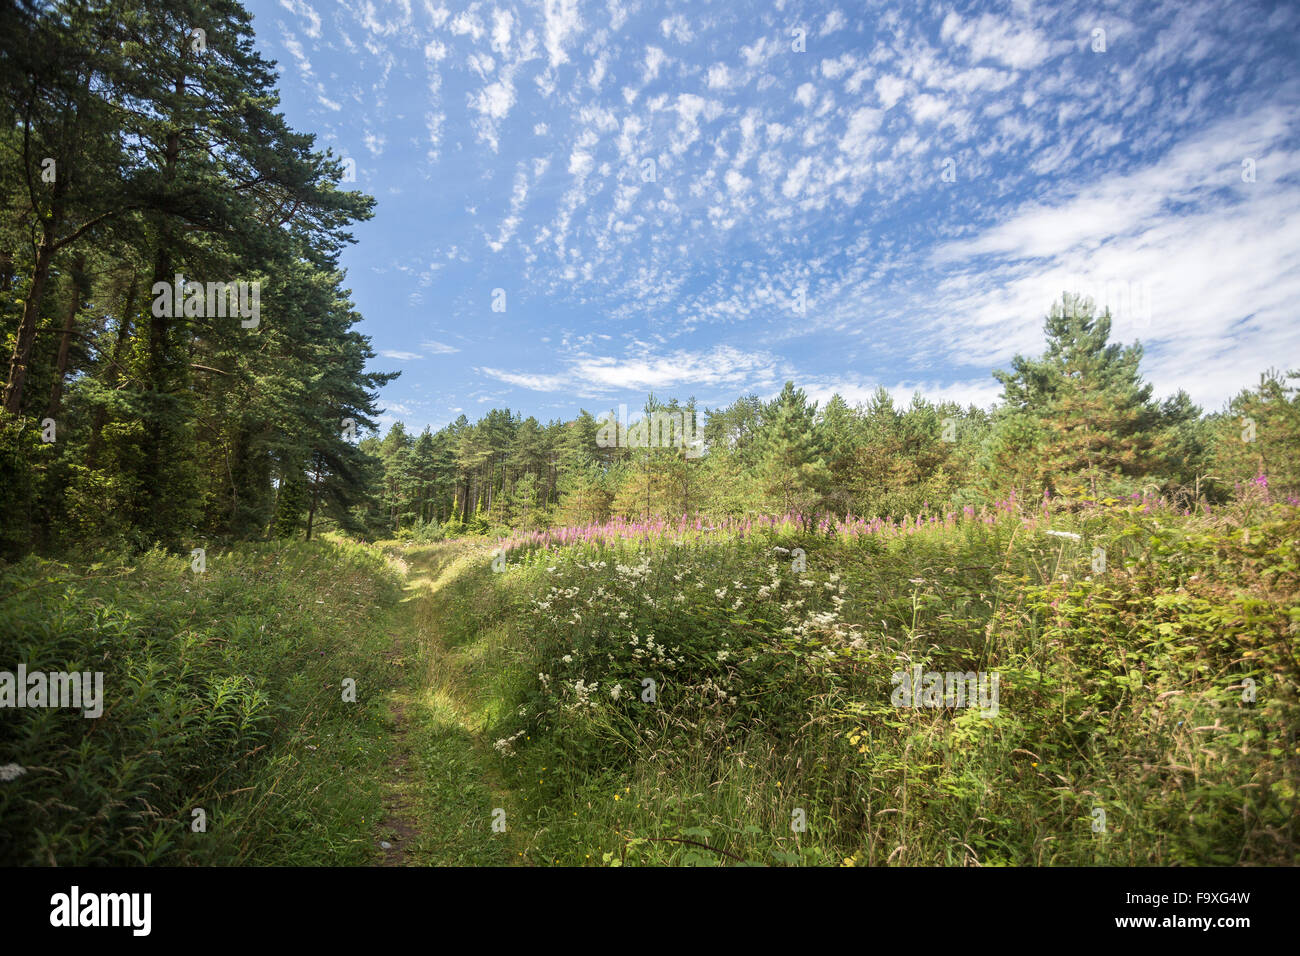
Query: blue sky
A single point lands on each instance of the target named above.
(706, 199)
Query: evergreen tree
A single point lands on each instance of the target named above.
(1079, 416)
(792, 475)
(1259, 435)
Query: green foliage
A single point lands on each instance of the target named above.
(1259, 434)
(221, 692)
(20, 446)
(1078, 417)
(170, 163)
(1120, 689)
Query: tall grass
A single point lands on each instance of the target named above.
(1158, 690)
(223, 694)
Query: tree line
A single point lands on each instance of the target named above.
(1077, 422)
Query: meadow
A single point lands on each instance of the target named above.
(1146, 659)
(673, 693)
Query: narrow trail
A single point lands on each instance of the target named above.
(442, 789)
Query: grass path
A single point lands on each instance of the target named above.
(442, 790)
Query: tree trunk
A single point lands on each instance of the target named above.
(315, 498)
(65, 343)
(26, 337)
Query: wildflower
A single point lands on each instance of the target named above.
(11, 771)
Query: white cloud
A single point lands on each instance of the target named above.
(1017, 45)
(980, 392)
(1184, 234)
(562, 21)
(721, 366)
(676, 28)
(304, 9)
(655, 58)
(720, 77)
(466, 23)
(863, 124)
(796, 178)
(835, 20)
(736, 183)
(890, 90)
(438, 348)
(502, 22)
(494, 100)
(926, 107)
(537, 383)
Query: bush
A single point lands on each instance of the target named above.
(1121, 689)
(212, 685)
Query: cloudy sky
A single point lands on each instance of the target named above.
(579, 203)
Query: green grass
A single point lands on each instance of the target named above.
(223, 692)
(446, 785)
(1120, 691)
(771, 739)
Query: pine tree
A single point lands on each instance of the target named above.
(792, 475)
(1259, 435)
(1080, 413)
